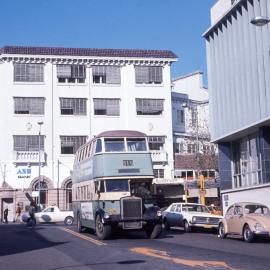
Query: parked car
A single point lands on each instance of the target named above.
(51, 214)
(189, 216)
(246, 219)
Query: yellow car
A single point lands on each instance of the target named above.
(246, 219)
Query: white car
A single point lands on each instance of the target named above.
(54, 214)
(189, 215)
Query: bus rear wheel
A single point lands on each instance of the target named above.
(103, 231)
(79, 224)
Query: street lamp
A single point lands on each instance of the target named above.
(39, 160)
(260, 20)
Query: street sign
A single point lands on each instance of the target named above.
(35, 194)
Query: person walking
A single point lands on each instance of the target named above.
(18, 213)
(6, 215)
(32, 219)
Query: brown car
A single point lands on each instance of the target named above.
(246, 219)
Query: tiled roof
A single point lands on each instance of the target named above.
(88, 52)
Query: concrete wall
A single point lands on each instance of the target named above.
(239, 70)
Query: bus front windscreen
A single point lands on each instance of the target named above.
(136, 144)
(117, 185)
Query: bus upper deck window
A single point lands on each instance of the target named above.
(98, 146)
(136, 144)
(114, 145)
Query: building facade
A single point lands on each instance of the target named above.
(194, 154)
(55, 99)
(239, 84)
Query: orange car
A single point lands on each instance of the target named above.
(246, 219)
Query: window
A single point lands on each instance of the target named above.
(114, 145)
(238, 210)
(179, 148)
(109, 107)
(148, 75)
(28, 72)
(194, 116)
(71, 73)
(136, 144)
(149, 106)
(73, 106)
(70, 144)
(246, 162)
(156, 142)
(159, 173)
(98, 146)
(106, 74)
(230, 211)
(28, 142)
(180, 116)
(117, 185)
(191, 148)
(29, 105)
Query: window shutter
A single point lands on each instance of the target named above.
(63, 71)
(113, 75)
(155, 74)
(99, 70)
(141, 74)
(78, 71)
(149, 105)
(36, 105)
(113, 107)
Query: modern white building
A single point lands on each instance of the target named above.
(239, 83)
(194, 154)
(62, 97)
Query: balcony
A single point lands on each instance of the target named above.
(28, 157)
(159, 156)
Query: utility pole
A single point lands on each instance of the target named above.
(39, 161)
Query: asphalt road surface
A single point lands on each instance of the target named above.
(56, 247)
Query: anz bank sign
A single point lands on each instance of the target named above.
(24, 173)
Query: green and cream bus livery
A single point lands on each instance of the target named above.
(112, 185)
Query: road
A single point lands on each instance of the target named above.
(56, 247)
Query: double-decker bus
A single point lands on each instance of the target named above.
(112, 185)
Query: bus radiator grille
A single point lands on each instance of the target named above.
(131, 208)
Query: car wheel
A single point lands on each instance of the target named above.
(187, 227)
(69, 221)
(102, 231)
(166, 225)
(221, 231)
(79, 224)
(248, 234)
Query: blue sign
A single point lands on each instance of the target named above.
(24, 172)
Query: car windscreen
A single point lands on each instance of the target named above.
(256, 209)
(195, 208)
(117, 185)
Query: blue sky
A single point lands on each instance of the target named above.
(176, 25)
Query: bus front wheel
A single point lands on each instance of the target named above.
(153, 232)
(102, 231)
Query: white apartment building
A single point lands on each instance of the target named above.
(193, 152)
(62, 97)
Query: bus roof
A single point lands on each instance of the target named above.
(121, 133)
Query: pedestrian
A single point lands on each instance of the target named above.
(32, 210)
(18, 213)
(6, 215)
